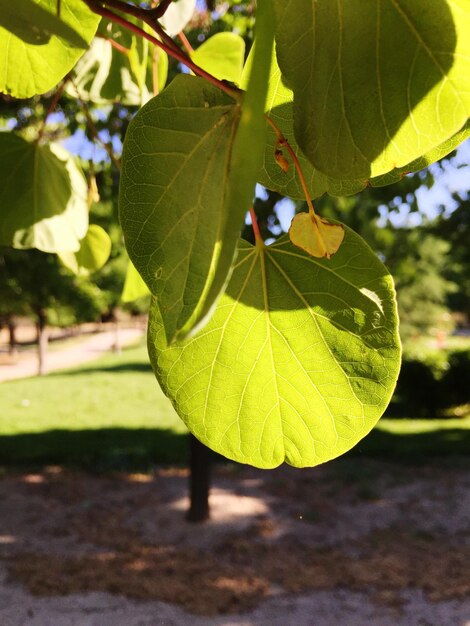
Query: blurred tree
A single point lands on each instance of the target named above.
(34, 283)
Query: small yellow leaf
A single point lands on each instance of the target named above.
(315, 235)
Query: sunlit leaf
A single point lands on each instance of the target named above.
(134, 286)
(316, 235)
(222, 55)
(280, 109)
(382, 83)
(93, 253)
(43, 196)
(105, 74)
(37, 49)
(298, 362)
(173, 197)
(190, 162)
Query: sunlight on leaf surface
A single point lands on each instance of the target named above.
(298, 362)
(382, 84)
(36, 48)
(43, 196)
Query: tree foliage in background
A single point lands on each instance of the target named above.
(269, 353)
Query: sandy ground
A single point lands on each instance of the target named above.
(356, 542)
(82, 350)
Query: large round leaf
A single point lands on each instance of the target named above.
(37, 48)
(279, 107)
(376, 84)
(298, 362)
(43, 196)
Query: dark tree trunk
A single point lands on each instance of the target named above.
(12, 344)
(42, 342)
(199, 480)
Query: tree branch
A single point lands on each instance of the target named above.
(166, 43)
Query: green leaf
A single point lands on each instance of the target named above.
(187, 181)
(36, 48)
(43, 196)
(94, 251)
(279, 107)
(177, 16)
(134, 286)
(222, 55)
(298, 361)
(381, 83)
(173, 197)
(105, 74)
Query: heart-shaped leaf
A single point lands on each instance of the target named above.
(37, 49)
(43, 196)
(94, 251)
(298, 361)
(382, 84)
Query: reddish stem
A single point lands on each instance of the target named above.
(254, 222)
(115, 44)
(283, 143)
(52, 106)
(184, 40)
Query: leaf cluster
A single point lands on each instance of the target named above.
(269, 353)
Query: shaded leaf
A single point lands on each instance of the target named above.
(93, 253)
(36, 48)
(298, 361)
(222, 55)
(43, 196)
(279, 107)
(382, 84)
(173, 197)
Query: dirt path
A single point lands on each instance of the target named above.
(356, 542)
(86, 349)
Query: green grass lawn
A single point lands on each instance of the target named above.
(111, 414)
(107, 413)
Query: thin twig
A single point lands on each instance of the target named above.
(282, 142)
(94, 131)
(115, 44)
(184, 40)
(149, 16)
(52, 106)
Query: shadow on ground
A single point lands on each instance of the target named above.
(127, 449)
